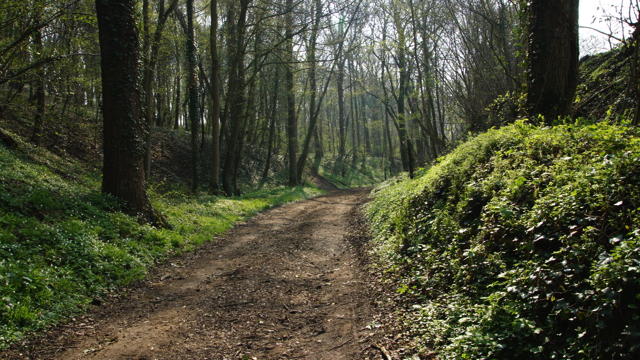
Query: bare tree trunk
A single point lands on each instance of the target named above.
(272, 127)
(123, 173)
(553, 58)
(292, 124)
(313, 129)
(402, 88)
(151, 51)
(235, 97)
(365, 127)
(38, 121)
(176, 106)
(341, 120)
(214, 186)
(192, 94)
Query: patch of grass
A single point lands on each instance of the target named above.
(62, 243)
(524, 243)
(199, 219)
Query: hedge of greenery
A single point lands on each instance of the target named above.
(63, 244)
(522, 243)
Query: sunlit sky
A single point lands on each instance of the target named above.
(592, 41)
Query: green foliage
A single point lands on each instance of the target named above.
(524, 242)
(62, 243)
(602, 90)
(345, 175)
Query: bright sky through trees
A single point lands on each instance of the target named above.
(593, 14)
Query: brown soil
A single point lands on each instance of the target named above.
(286, 284)
(322, 183)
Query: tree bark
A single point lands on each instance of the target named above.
(272, 127)
(38, 121)
(341, 120)
(214, 186)
(235, 97)
(151, 51)
(292, 123)
(123, 172)
(553, 58)
(176, 106)
(192, 94)
(402, 88)
(313, 113)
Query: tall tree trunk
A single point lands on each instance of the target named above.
(272, 127)
(313, 116)
(146, 87)
(365, 127)
(553, 58)
(387, 129)
(402, 87)
(159, 110)
(38, 121)
(410, 156)
(341, 120)
(247, 115)
(151, 51)
(354, 117)
(192, 94)
(176, 106)
(235, 97)
(123, 173)
(317, 139)
(214, 113)
(292, 123)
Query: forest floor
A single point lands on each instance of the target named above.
(287, 284)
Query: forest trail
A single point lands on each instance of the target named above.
(283, 285)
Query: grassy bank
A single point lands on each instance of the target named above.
(523, 242)
(63, 244)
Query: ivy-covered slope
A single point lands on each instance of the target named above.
(524, 242)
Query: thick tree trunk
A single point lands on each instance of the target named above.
(123, 173)
(553, 58)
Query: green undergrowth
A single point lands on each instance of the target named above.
(63, 244)
(345, 174)
(523, 243)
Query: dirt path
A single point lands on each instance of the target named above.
(284, 285)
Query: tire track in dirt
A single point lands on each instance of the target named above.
(283, 285)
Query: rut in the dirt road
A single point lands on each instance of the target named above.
(283, 285)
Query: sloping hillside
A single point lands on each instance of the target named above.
(604, 90)
(524, 242)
